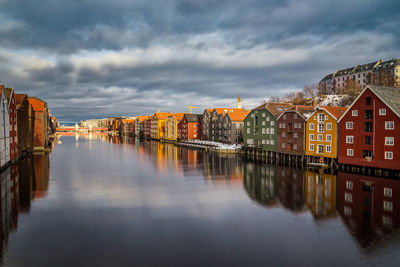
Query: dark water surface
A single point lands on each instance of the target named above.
(99, 201)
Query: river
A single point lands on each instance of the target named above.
(97, 200)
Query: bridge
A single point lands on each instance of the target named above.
(77, 129)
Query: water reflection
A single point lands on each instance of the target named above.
(370, 207)
(21, 183)
(214, 189)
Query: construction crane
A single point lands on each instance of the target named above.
(191, 107)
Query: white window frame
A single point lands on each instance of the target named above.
(311, 147)
(387, 205)
(389, 141)
(350, 152)
(311, 137)
(349, 139)
(354, 113)
(328, 149)
(389, 155)
(311, 126)
(318, 149)
(329, 126)
(389, 125)
(294, 135)
(320, 137)
(321, 128)
(349, 125)
(329, 139)
(382, 111)
(349, 185)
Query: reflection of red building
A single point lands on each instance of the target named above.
(370, 206)
(290, 187)
(41, 170)
(147, 128)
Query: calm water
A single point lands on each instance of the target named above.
(96, 201)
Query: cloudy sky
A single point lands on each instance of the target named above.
(98, 58)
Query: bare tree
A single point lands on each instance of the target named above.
(310, 90)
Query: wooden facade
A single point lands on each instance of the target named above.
(369, 130)
(26, 120)
(41, 123)
(292, 130)
(5, 130)
(189, 128)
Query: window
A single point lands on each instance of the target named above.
(272, 122)
(311, 137)
(263, 123)
(382, 111)
(348, 197)
(368, 154)
(272, 131)
(368, 140)
(321, 127)
(295, 116)
(387, 205)
(347, 211)
(328, 149)
(349, 185)
(320, 149)
(268, 118)
(349, 125)
(248, 123)
(263, 142)
(321, 117)
(388, 155)
(389, 125)
(263, 130)
(328, 138)
(263, 114)
(311, 147)
(267, 142)
(349, 139)
(283, 145)
(389, 141)
(311, 126)
(295, 135)
(368, 114)
(319, 137)
(387, 192)
(368, 101)
(354, 113)
(272, 142)
(329, 126)
(283, 134)
(248, 130)
(252, 115)
(295, 146)
(284, 116)
(268, 131)
(350, 152)
(299, 125)
(368, 127)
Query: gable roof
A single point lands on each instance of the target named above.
(178, 116)
(276, 108)
(336, 112)
(161, 115)
(19, 98)
(192, 117)
(389, 95)
(225, 110)
(304, 111)
(238, 115)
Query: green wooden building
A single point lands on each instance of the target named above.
(260, 126)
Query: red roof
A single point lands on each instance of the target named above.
(337, 112)
(238, 114)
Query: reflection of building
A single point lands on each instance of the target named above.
(369, 206)
(222, 168)
(8, 202)
(259, 180)
(26, 174)
(320, 194)
(290, 187)
(41, 175)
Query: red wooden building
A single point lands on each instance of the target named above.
(369, 130)
(189, 127)
(292, 129)
(370, 206)
(12, 109)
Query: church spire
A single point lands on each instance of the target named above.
(239, 103)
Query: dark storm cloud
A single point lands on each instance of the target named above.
(92, 58)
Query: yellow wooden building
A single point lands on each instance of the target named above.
(322, 132)
(171, 125)
(157, 130)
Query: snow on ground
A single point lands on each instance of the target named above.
(216, 145)
(331, 100)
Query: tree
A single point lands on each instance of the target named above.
(310, 90)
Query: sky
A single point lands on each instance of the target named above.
(101, 58)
